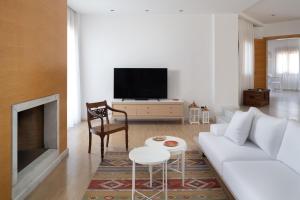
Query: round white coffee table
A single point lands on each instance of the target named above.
(150, 156)
(178, 151)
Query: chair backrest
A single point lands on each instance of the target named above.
(100, 108)
(276, 79)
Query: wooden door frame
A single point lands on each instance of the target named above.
(268, 38)
(282, 37)
(260, 63)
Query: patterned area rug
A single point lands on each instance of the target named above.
(112, 180)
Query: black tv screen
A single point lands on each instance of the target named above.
(140, 83)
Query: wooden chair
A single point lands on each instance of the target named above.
(99, 110)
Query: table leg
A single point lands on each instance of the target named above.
(133, 180)
(183, 166)
(166, 179)
(150, 172)
(163, 177)
(178, 160)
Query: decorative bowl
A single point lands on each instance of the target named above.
(170, 143)
(159, 138)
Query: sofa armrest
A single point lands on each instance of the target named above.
(218, 129)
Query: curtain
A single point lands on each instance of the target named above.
(287, 67)
(246, 56)
(73, 74)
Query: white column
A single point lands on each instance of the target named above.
(225, 61)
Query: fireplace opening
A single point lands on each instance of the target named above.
(35, 142)
(30, 135)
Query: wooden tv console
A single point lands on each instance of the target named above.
(150, 109)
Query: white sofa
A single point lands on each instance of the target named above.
(266, 167)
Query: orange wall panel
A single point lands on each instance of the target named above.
(33, 64)
(260, 64)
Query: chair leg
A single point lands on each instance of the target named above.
(90, 142)
(107, 140)
(203, 156)
(126, 138)
(102, 147)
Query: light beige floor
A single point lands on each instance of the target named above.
(285, 104)
(70, 179)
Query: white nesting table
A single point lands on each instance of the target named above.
(150, 156)
(178, 151)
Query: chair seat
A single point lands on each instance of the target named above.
(108, 128)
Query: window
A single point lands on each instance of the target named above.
(287, 61)
(248, 59)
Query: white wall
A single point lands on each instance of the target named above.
(182, 43)
(225, 65)
(200, 51)
(276, 29)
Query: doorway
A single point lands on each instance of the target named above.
(277, 68)
(283, 65)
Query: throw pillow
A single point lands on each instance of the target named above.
(267, 133)
(239, 127)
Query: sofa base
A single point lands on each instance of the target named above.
(226, 189)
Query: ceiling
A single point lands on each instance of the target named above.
(160, 6)
(284, 10)
(260, 10)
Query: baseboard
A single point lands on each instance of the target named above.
(37, 180)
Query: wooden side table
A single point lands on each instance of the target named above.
(256, 97)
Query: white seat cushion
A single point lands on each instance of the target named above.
(267, 133)
(289, 151)
(239, 127)
(261, 180)
(219, 149)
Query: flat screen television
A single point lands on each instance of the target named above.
(140, 83)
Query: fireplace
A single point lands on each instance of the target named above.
(35, 127)
(30, 135)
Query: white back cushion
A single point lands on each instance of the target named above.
(267, 133)
(256, 111)
(239, 127)
(289, 151)
(218, 129)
